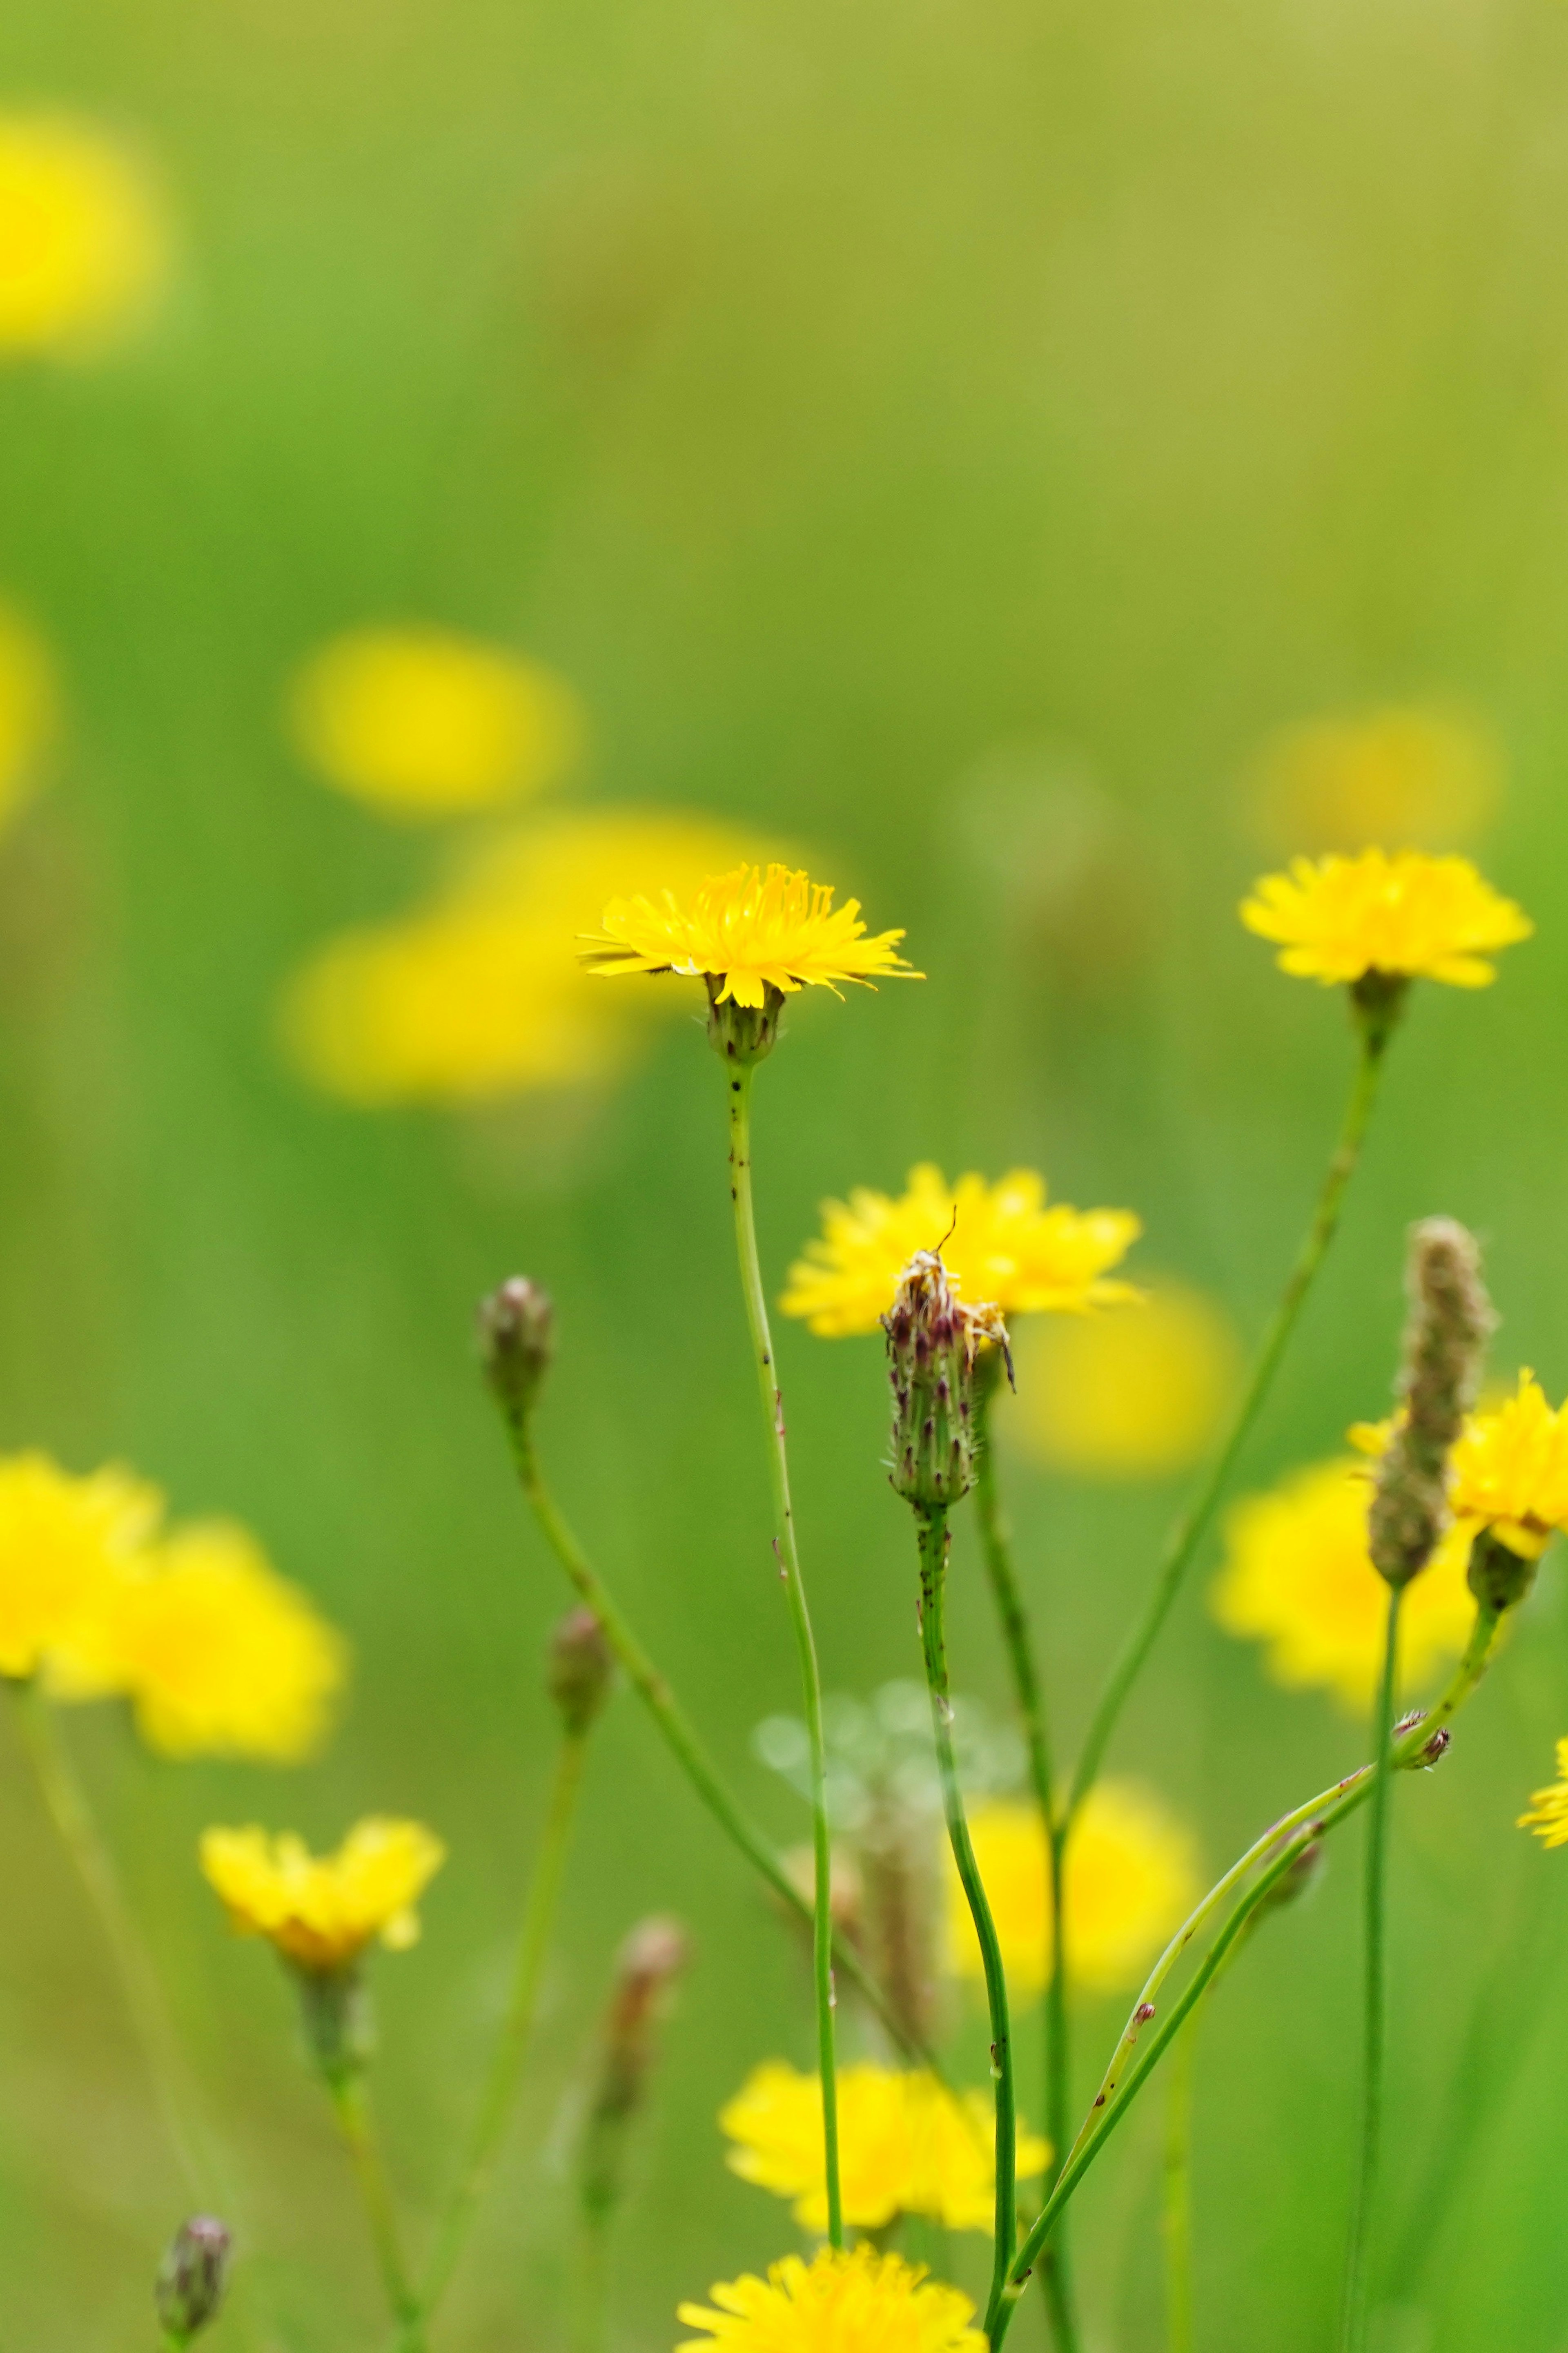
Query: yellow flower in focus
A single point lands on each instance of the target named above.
(1128, 1397)
(422, 722)
(29, 710)
(749, 930)
(1547, 1814)
(1299, 1577)
(479, 995)
(1509, 1470)
(1408, 917)
(83, 243)
(63, 1542)
(1005, 1246)
(322, 1911)
(854, 2302)
(1132, 1876)
(906, 2145)
(1417, 773)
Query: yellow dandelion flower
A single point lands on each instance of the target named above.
(1426, 773)
(83, 243)
(854, 2302)
(1299, 1577)
(1006, 1246)
(322, 1911)
(751, 931)
(1128, 1397)
(1509, 1470)
(63, 1542)
(29, 711)
(1408, 917)
(906, 2145)
(479, 995)
(1132, 1876)
(422, 722)
(1547, 1814)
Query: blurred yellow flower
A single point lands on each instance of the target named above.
(29, 710)
(1005, 1246)
(322, 1911)
(1407, 916)
(1509, 1470)
(83, 242)
(1425, 774)
(854, 2302)
(1299, 1576)
(1547, 1814)
(479, 995)
(424, 722)
(63, 1541)
(1128, 1397)
(1132, 1876)
(906, 2145)
(752, 931)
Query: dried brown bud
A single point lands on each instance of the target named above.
(653, 1956)
(582, 1670)
(933, 1336)
(516, 1344)
(191, 2277)
(1450, 1323)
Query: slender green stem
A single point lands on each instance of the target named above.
(1176, 2193)
(350, 2105)
(511, 2048)
(590, 2318)
(738, 1094)
(932, 1526)
(1189, 1532)
(1353, 2317)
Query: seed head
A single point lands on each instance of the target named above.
(582, 1670)
(192, 2276)
(932, 1337)
(516, 1344)
(1445, 1336)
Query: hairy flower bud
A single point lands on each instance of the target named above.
(933, 1336)
(582, 1669)
(1449, 1322)
(1498, 1577)
(192, 2276)
(516, 1344)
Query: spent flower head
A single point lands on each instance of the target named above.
(1404, 917)
(1450, 1321)
(320, 1912)
(858, 2301)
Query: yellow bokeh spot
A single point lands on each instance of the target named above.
(1135, 1393)
(1425, 774)
(425, 722)
(29, 711)
(83, 240)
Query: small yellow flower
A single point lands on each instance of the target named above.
(1421, 773)
(29, 711)
(1299, 1577)
(322, 1911)
(83, 245)
(906, 2145)
(1128, 1397)
(1408, 917)
(1547, 1814)
(749, 930)
(63, 1542)
(1005, 1246)
(1132, 1876)
(422, 722)
(1509, 1470)
(854, 2302)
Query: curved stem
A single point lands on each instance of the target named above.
(739, 1096)
(1189, 1532)
(1353, 2317)
(1176, 2194)
(931, 1528)
(350, 2105)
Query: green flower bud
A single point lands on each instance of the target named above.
(931, 1341)
(742, 1034)
(192, 2276)
(582, 1670)
(338, 2018)
(1497, 1577)
(516, 1344)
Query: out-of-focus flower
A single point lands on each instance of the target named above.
(1509, 1470)
(64, 1542)
(1299, 1577)
(749, 930)
(842, 2302)
(906, 2145)
(1404, 917)
(1132, 1874)
(1426, 773)
(29, 710)
(422, 722)
(83, 242)
(1127, 1397)
(1547, 1814)
(320, 1912)
(1005, 1246)
(479, 995)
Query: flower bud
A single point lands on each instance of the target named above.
(932, 1337)
(516, 1344)
(1300, 1876)
(192, 2276)
(743, 1034)
(338, 2018)
(653, 1956)
(1498, 1577)
(582, 1669)
(1449, 1322)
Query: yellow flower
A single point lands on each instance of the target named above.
(1509, 1470)
(422, 722)
(1132, 1876)
(1417, 773)
(1548, 1815)
(479, 996)
(906, 2145)
(1005, 1246)
(1406, 916)
(63, 1541)
(1127, 1397)
(749, 930)
(322, 1911)
(29, 710)
(1299, 1577)
(82, 240)
(855, 2301)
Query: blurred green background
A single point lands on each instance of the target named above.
(860, 406)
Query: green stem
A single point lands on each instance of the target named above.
(1189, 1532)
(1176, 2195)
(739, 1095)
(931, 1528)
(590, 2331)
(1352, 2318)
(350, 2105)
